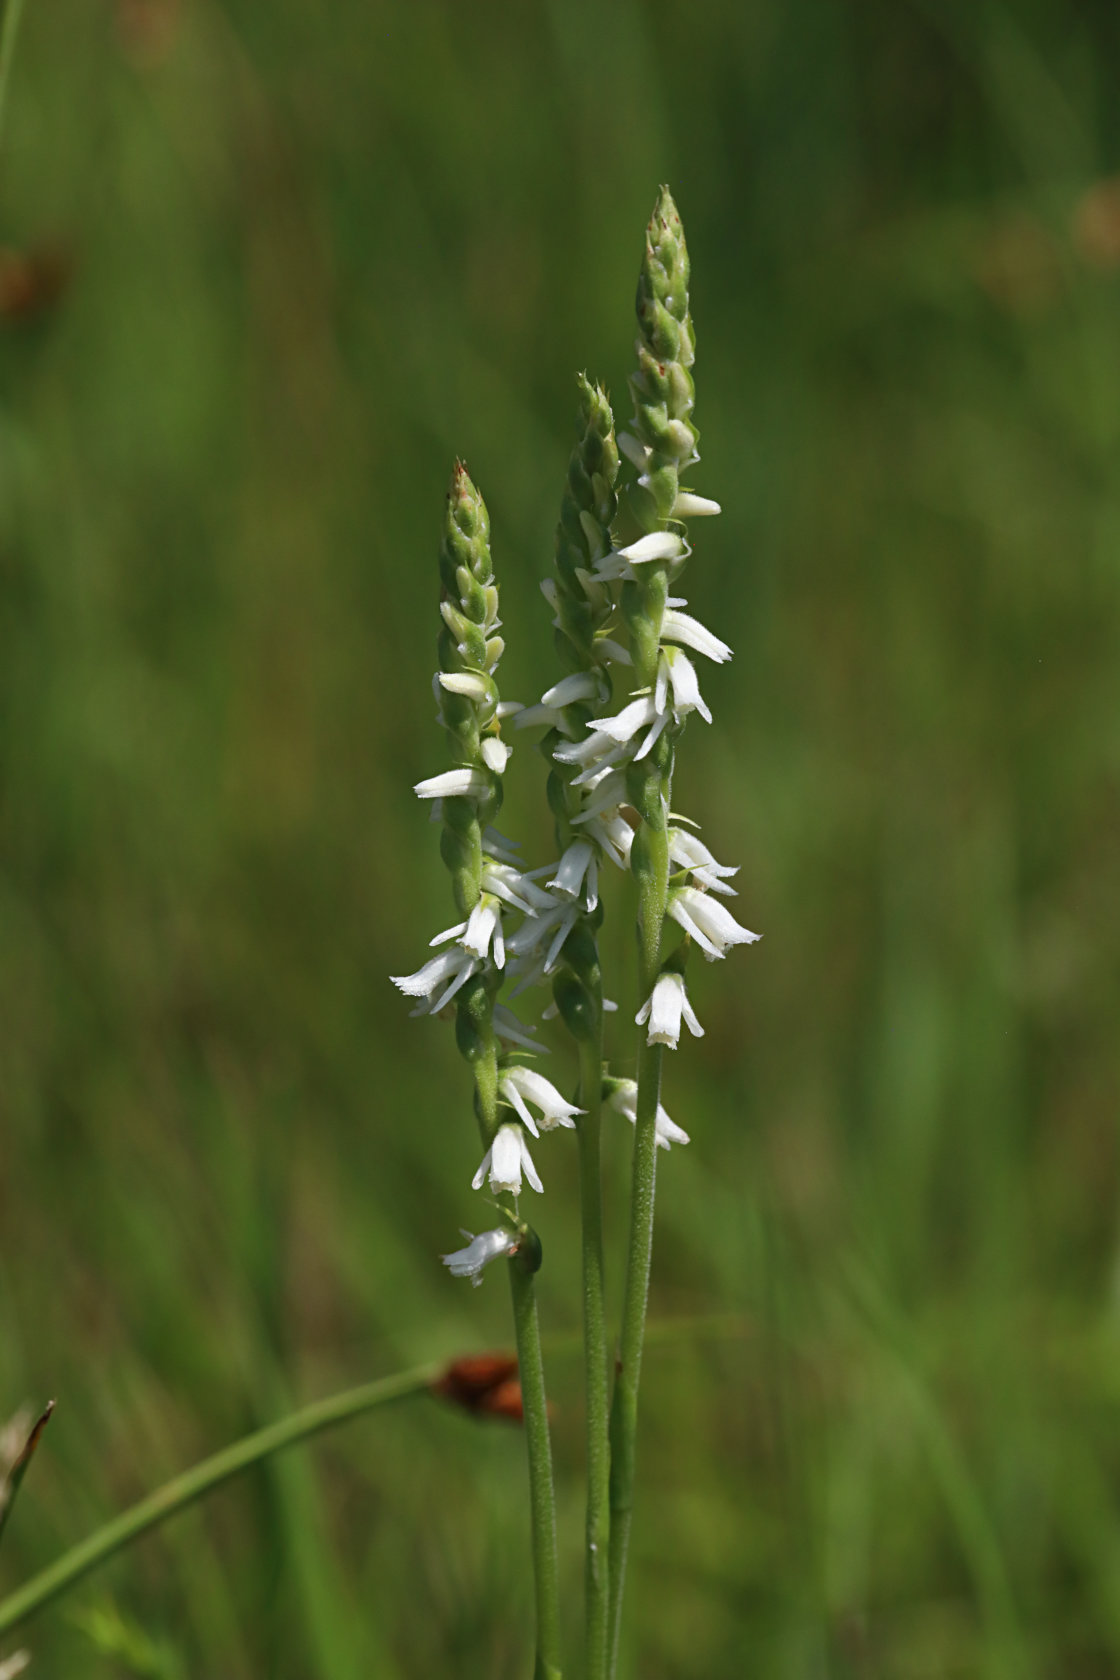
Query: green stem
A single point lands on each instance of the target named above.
(200, 1480)
(542, 1494)
(11, 11)
(542, 1497)
(596, 1365)
(653, 891)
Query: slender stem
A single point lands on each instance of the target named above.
(200, 1480)
(542, 1494)
(624, 1411)
(11, 11)
(542, 1498)
(596, 1366)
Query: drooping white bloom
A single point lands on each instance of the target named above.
(614, 835)
(505, 1160)
(689, 852)
(484, 926)
(577, 866)
(520, 1085)
(712, 925)
(680, 674)
(453, 784)
(690, 506)
(682, 627)
(663, 1009)
(452, 968)
(624, 1100)
(480, 1250)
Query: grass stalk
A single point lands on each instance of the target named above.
(183, 1490)
(11, 14)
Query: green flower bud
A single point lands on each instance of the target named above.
(662, 387)
(583, 532)
(529, 1253)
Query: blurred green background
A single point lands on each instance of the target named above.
(266, 270)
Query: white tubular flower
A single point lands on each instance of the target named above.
(680, 674)
(690, 506)
(484, 926)
(577, 866)
(614, 835)
(658, 545)
(487, 1246)
(634, 450)
(682, 627)
(663, 1009)
(469, 683)
(712, 925)
(453, 784)
(688, 852)
(495, 754)
(520, 1085)
(454, 966)
(624, 1100)
(505, 1160)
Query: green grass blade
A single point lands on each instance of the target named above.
(200, 1480)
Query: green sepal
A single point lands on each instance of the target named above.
(528, 1254)
(644, 790)
(583, 533)
(579, 1008)
(466, 533)
(474, 1033)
